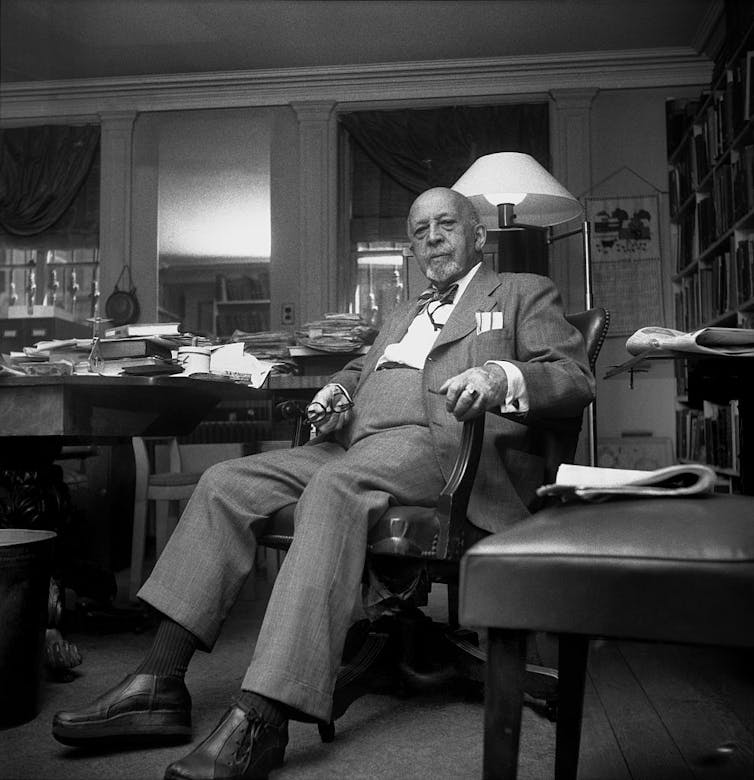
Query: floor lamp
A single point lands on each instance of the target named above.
(512, 191)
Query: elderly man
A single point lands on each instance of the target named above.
(389, 425)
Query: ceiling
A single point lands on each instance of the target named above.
(46, 40)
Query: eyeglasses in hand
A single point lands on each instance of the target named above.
(317, 413)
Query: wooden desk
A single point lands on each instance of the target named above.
(94, 408)
(38, 415)
(97, 408)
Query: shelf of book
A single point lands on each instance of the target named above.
(710, 142)
(711, 192)
(710, 435)
(242, 303)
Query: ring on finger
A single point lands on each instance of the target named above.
(472, 391)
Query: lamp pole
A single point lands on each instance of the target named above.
(585, 232)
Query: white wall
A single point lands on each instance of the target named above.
(214, 183)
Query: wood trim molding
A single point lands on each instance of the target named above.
(484, 77)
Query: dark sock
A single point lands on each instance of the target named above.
(272, 711)
(171, 651)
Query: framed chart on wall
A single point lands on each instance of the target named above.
(635, 452)
(626, 260)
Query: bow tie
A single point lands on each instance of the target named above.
(433, 294)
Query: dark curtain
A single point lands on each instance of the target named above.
(43, 173)
(425, 148)
(395, 155)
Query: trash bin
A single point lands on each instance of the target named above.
(25, 569)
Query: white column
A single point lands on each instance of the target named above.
(570, 144)
(145, 214)
(115, 198)
(317, 209)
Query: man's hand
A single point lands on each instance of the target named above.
(330, 409)
(475, 391)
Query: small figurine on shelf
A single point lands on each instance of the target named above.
(96, 361)
(31, 288)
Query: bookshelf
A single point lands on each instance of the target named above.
(242, 302)
(710, 142)
(711, 187)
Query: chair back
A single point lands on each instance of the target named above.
(560, 438)
(593, 325)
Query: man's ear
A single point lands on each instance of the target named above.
(480, 236)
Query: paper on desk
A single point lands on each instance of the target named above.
(230, 360)
(6, 369)
(592, 483)
(708, 341)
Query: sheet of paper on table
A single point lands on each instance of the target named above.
(231, 361)
(593, 483)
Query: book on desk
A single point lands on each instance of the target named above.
(144, 329)
(117, 349)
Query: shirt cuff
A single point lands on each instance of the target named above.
(345, 392)
(517, 397)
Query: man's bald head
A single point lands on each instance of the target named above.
(446, 235)
(464, 206)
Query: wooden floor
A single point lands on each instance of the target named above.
(662, 712)
(651, 711)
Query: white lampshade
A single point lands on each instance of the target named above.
(513, 177)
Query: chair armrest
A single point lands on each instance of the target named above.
(453, 501)
(450, 514)
(296, 411)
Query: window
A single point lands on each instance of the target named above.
(380, 279)
(49, 218)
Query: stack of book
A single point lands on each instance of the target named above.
(139, 355)
(143, 348)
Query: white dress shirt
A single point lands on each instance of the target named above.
(413, 348)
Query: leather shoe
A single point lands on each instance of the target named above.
(142, 707)
(243, 745)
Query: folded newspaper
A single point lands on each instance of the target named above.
(707, 341)
(592, 483)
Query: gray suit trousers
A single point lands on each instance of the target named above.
(341, 489)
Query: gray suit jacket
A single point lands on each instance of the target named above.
(535, 337)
